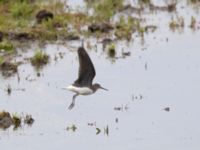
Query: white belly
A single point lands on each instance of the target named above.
(80, 90)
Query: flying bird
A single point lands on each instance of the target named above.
(83, 85)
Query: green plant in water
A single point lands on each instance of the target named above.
(125, 27)
(111, 50)
(16, 121)
(145, 1)
(22, 9)
(73, 128)
(1, 60)
(179, 23)
(141, 31)
(51, 28)
(59, 20)
(39, 58)
(53, 24)
(194, 1)
(22, 23)
(193, 23)
(105, 9)
(48, 24)
(6, 46)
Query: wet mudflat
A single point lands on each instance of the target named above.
(152, 102)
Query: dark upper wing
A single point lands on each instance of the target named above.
(86, 69)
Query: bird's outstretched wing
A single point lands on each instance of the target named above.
(86, 69)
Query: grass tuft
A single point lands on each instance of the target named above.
(6, 46)
(105, 9)
(16, 121)
(22, 10)
(40, 58)
(111, 50)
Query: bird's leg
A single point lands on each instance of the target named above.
(73, 101)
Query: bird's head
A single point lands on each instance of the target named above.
(97, 86)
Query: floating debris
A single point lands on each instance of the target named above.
(98, 131)
(61, 55)
(9, 89)
(150, 28)
(28, 120)
(106, 130)
(145, 66)
(137, 97)
(121, 108)
(167, 109)
(92, 124)
(116, 120)
(73, 128)
(125, 54)
(29, 78)
(38, 74)
(118, 108)
(55, 58)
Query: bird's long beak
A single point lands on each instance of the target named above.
(103, 88)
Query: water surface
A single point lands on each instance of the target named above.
(162, 72)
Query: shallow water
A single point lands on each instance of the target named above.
(162, 72)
